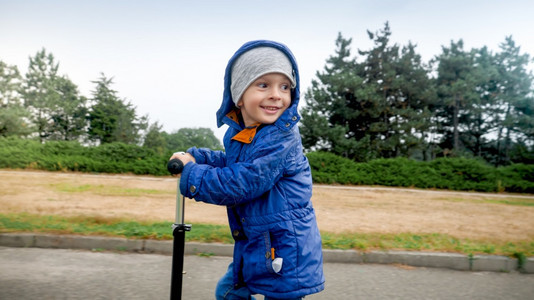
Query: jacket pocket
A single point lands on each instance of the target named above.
(258, 256)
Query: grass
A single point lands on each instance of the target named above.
(425, 242)
(507, 201)
(106, 190)
(108, 227)
(218, 233)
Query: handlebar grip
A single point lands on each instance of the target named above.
(175, 166)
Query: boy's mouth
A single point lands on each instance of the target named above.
(271, 108)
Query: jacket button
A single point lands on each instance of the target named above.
(193, 189)
(294, 118)
(287, 124)
(236, 233)
(242, 220)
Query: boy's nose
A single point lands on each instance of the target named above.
(275, 94)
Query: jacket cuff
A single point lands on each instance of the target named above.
(184, 181)
(195, 153)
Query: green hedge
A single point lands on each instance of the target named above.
(71, 156)
(442, 173)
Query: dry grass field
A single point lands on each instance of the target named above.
(492, 217)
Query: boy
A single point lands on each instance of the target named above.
(262, 178)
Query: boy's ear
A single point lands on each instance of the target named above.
(239, 103)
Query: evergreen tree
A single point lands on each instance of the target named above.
(13, 116)
(68, 112)
(515, 101)
(155, 138)
(39, 91)
(376, 108)
(111, 119)
(325, 117)
(456, 85)
(56, 108)
(415, 96)
(402, 93)
(480, 120)
(10, 83)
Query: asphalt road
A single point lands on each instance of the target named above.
(35, 273)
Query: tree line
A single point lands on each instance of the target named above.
(385, 102)
(43, 105)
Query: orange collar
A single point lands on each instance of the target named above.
(246, 135)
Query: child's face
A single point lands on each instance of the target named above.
(265, 99)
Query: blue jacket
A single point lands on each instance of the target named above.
(265, 183)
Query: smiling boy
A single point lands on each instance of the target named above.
(266, 99)
(263, 179)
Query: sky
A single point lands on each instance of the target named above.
(168, 57)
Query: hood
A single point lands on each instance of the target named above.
(290, 117)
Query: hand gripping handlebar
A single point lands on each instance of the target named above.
(175, 166)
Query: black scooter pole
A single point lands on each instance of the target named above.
(175, 166)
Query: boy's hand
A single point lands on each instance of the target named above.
(184, 157)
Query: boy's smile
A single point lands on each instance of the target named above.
(265, 99)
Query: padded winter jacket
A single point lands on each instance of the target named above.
(265, 182)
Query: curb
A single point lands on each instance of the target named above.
(491, 263)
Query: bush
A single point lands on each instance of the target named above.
(464, 174)
(517, 178)
(71, 156)
(442, 173)
(402, 172)
(18, 153)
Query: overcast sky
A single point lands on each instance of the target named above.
(168, 57)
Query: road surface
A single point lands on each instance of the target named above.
(35, 273)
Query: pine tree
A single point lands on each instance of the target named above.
(39, 91)
(155, 138)
(68, 112)
(326, 116)
(456, 85)
(13, 115)
(515, 100)
(480, 122)
(112, 119)
(57, 110)
(375, 108)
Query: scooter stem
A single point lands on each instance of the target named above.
(175, 166)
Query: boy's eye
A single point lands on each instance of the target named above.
(262, 85)
(285, 87)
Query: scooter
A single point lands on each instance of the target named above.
(175, 167)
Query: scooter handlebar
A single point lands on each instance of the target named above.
(175, 166)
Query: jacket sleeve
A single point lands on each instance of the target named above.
(208, 157)
(242, 181)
